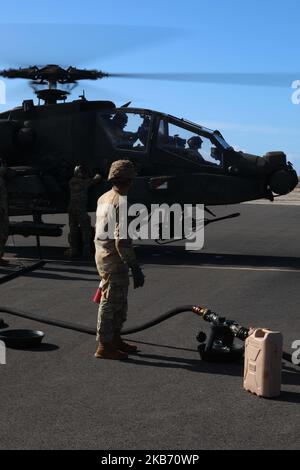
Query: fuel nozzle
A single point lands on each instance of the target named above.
(208, 315)
(201, 311)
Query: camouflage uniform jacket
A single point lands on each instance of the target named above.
(3, 197)
(115, 254)
(79, 188)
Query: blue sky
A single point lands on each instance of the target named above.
(173, 36)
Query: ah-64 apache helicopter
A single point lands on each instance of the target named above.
(177, 161)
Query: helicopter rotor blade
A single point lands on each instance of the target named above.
(248, 79)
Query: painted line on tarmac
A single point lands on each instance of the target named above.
(225, 268)
(274, 203)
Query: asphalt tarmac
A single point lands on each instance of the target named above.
(60, 397)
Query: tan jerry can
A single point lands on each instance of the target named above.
(262, 367)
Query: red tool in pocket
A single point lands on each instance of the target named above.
(98, 293)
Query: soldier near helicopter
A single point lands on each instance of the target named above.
(4, 220)
(79, 219)
(195, 143)
(144, 129)
(122, 138)
(114, 257)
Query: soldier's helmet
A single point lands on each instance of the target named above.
(80, 171)
(120, 119)
(195, 141)
(121, 169)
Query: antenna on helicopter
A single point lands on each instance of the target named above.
(82, 96)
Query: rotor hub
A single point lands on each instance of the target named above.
(51, 95)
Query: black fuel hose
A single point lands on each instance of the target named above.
(203, 312)
(92, 331)
(160, 319)
(48, 321)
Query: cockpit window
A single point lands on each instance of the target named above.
(127, 130)
(188, 144)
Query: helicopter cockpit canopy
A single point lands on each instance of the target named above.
(191, 142)
(150, 136)
(127, 130)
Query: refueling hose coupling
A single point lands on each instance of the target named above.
(201, 311)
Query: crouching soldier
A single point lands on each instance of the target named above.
(114, 257)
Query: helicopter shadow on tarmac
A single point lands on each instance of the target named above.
(58, 267)
(170, 255)
(54, 273)
(59, 277)
(53, 253)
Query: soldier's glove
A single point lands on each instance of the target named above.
(138, 276)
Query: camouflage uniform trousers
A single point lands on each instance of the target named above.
(113, 305)
(4, 230)
(79, 222)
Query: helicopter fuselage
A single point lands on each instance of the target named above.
(44, 143)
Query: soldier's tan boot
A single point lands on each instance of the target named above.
(109, 351)
(121, 345)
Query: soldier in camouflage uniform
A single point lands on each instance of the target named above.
(4, 221)
(79, 219)
(114, 257)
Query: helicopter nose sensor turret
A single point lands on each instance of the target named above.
(283, 178)
(279, 175)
